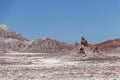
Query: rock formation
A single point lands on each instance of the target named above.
(12, 41)
(48, 45)
(5, 32)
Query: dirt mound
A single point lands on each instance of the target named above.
(48, 45)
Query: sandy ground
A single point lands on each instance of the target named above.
(49, 66)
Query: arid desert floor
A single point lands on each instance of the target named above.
(55, 66)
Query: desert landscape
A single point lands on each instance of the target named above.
(49, 59)
(55, 66)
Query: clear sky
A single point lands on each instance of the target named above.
(64, 20)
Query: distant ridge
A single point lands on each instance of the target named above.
(109, 44)
(7, 33)
(12, 41)
(50, 45)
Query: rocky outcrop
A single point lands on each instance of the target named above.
(5, 32)
(48, 45)
(12, 41)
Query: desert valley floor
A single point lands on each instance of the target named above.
(56, 66)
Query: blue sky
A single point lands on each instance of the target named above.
(64, 20)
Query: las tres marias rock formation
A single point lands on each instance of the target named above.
(12, 41)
